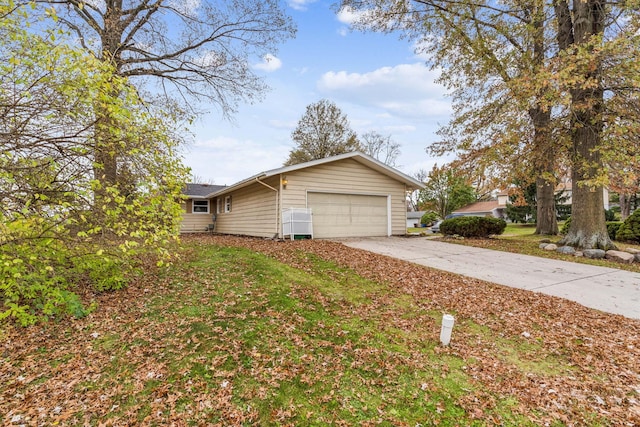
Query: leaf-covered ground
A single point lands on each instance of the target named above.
(258, 332)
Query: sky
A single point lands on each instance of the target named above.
(375, 79)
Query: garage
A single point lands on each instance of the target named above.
(348, 215)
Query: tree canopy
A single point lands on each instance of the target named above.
(380, 147)
(528, 81)
(445, 191)
(56, 236)
(323, 131)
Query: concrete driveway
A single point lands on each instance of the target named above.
(607, 289)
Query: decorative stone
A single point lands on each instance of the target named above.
(593, 253)
(632, 251)
(578, 254)
(569, 250)
(545, 240)
(543, 245)
(637, 257)
(620, 256)
(550, 247)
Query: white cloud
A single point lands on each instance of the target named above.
(406, 90)
(269, 63)
(300, 4)
(226, 160)
(348, 16)
(186, 7)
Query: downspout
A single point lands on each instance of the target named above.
(277, 205)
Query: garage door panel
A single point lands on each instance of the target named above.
(348, 215)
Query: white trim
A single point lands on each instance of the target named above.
(389, 225)
(193, 205)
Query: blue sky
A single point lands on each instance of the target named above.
(375, 79)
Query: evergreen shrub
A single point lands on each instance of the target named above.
(473, 226)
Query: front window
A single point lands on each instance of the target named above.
(200, 206)
(227, 204)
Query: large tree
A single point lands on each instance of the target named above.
(323, 131)
(182, 51)
(445, 191)
(508, 61)
(51, 238)
(486, 49)
(380, 147)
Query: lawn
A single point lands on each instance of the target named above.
(257, 332)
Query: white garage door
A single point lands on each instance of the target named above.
(348, 215)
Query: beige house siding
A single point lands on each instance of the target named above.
(347, 177)
(253, 211)
(198, 222)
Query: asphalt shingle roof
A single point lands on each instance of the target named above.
(201, 190)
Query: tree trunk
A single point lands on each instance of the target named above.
(588, 227)
(546, 219)
(544, 150)
(625, 206)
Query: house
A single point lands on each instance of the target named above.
(414, 217)
(349, 195)
(198, 213)
(494, 208)
(565, 187)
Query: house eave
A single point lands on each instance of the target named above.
(362, 158)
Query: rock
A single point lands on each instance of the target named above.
(543, 245)
(578, 254)
(593, 253)
(637, 256)
(632, 251)
(569, 250)
(620, 256)
(545, 240)
(550, 247)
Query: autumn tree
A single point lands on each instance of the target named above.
(323, 131)
(51, 239)
(187, 53)
(380, 147)
(445, 191)
(513, 65)
(487, 50)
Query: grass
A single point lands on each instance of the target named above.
(235, 337)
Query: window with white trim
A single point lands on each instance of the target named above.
(227, 204)
(200, 207)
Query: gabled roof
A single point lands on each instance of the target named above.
(197, 191)
(355, 155)
(480, 207)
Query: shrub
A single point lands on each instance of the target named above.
(473, 226)
(429, 218)
(629, 231)
(609, 215)
(612, 229)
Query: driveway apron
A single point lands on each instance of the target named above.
(607, 289)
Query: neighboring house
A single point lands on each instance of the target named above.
(494, 208)
(198, 210)
(349, 195)
(566, 188)
(497, 208)
(414, 217)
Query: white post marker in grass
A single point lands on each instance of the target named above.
(447, 327)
